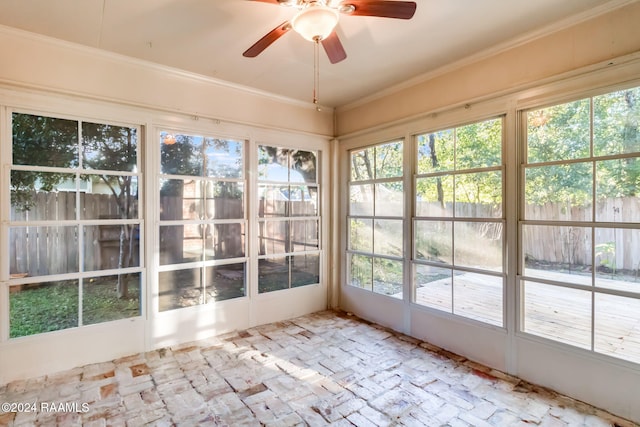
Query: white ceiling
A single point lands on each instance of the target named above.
(208, 37)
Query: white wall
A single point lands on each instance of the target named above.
(33, 61)
(597, 54)
(53, 77)
(588, 43)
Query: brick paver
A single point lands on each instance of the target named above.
(320, 369)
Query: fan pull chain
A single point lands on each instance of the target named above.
(316, 72)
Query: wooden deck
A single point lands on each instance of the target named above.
(560, 314)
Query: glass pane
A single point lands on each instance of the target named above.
(181, 154)
(557, 313)
(304, 235)
(180, 199)
(387, 277)
(389, 160)
(361, 235)
(436, 151)
(273, 274)
(616, 327)
(305, 270)
(182, 243)
(434, 241)
(389, 199)
(479, 195)
(223, 158)
(478, 297)
(109, 147)
(42, 307)
(433, 287)
(111, 246)
(557, 253)
(618, 258)
(479, 145)
(224, 200)
(561, 132)
(274, 237)
(44, 141)
(110, 298)
(100, 202)
(361, 200)
(274, 165)
(228, 241)
(434, 196)
(559, 192)
(361, 271)
(617, 195)
(225, 282)
(303, 200)
(285, 165)
(274, 200)
(478, 245)
(303, 166)
(41, 251)
(179, 288)
(42, 196)
(615, 122)
(388, 237)
(362, 164)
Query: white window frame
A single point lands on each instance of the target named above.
(80, 275)
(158, 223)
(453, 219)
(592, 159)
(373, 217)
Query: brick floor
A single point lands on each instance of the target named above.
(320, 369)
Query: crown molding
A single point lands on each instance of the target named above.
(154, 67)
(495, 50)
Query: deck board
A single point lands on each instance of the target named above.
(553, 312)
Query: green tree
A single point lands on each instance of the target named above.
(40, 141)
(615, 128)
(473, 146)
(388, 160)
(362, 164)
(563, 132)
(49, 142)
(107, 148)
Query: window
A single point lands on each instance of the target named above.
(580, 227)
(74, 229)
(202, 220)
(376, 217)
(458, 238)
(288, 219)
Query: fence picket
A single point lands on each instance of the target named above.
(38, 250)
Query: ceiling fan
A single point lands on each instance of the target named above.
(316, 21)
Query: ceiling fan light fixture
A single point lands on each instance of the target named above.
(346, 8)
(316, 22)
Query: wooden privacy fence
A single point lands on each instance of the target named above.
(219, 241)
(615, 248)
(54, 249)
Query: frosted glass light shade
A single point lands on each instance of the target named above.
(315, 22)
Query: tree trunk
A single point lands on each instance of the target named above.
(434, 163)
(123, 282)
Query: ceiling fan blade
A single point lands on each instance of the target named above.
(382, 8)
(333, 47)
(266, 41)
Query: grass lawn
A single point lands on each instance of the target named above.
(52, 306)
